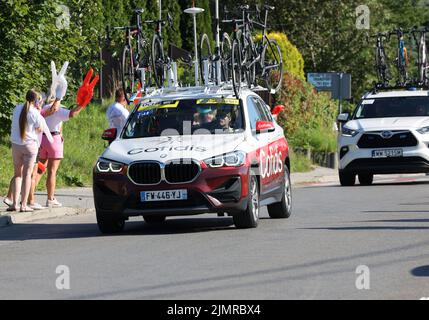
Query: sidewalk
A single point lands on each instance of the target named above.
(76, 201)
(318, 175)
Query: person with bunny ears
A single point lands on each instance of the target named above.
(51, 153)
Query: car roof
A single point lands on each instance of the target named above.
(397, 94)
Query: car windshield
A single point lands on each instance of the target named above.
(393, 107)
(157, 117)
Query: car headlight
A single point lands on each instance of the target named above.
(424, 130)
(346, 132)
(233, 159)
(106, 166)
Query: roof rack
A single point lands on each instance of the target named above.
(225, 88)
(380, 87)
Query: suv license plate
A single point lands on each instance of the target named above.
(393, 153)
(170, 195)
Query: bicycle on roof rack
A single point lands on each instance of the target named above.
(419, 35)
(381, 60)
(250, 61)
(401, 60)
(145, 56)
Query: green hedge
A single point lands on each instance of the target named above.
(309, 118)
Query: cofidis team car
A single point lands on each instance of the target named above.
(388, 133)
(194, 151)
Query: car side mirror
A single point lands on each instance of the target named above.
(109, 135)
(264, 127)
(343, 118)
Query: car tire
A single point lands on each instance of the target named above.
(347, 179)
(154, 219)
(109, 224)
(283, 209)
(249, 218)
(366, 179)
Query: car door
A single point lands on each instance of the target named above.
(273, 151)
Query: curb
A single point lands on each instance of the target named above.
(26, 217)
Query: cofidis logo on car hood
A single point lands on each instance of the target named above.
(198, 147)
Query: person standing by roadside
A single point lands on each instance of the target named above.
(117, 114)
(27, 124)
(52, 152)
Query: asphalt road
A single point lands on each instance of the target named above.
(313, 255)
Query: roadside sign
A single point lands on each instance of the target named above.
(322, 81)
(338, 83)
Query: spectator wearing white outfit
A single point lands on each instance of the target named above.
(117, 114)
(27, 124)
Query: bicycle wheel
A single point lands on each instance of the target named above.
(249, 66)
(127, 72)
(423, 64)
(158, 61)
(381, 67)
(206, 56)
(272, 66)
(226, 52)
(236, 67)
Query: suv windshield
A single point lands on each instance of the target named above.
(156, 118)
(393, 107)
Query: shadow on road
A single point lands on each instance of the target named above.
(369, 228)
(422, 271)
(34, 231)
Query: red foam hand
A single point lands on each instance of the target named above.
(86, 91)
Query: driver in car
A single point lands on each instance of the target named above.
(207, 119)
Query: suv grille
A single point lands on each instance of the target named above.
(180, 172)
(150, 173)
(398, 139)
(145, 173)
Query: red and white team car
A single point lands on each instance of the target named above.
(194, 151)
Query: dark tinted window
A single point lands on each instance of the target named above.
(263, 110)
(393, 107)
(254, 112)
(185, 117)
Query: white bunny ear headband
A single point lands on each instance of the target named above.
(58, 80)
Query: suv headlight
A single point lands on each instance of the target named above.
(233, 159)
(106, 166)
(346, 132)
(424, 130)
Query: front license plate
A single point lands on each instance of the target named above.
(170, 195)
(393, 153)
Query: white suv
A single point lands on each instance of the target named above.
(388, 133)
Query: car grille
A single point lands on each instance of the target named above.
(145, 173)
(180, 172)
(151, 173)
(398, 139)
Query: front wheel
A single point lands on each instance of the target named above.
(158, 61)
(272, 66)
(366, 179)
(109, 224)
(127, 71)
(250, 217)
(347, 179)
(236, 67)
(206, 57)
(226, 52)
(283, 209)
